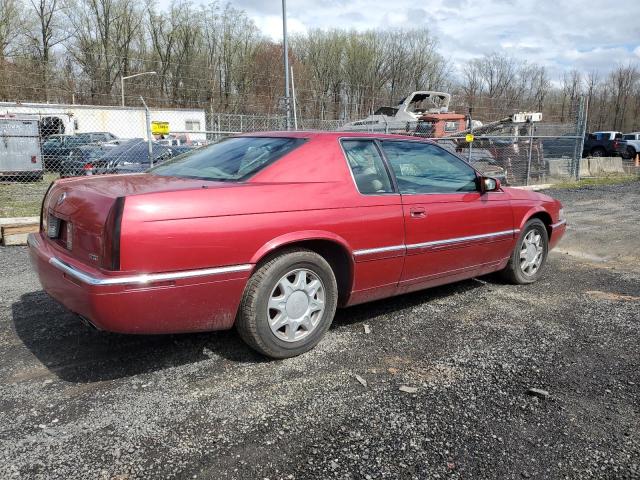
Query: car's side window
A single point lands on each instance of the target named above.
(425, 168)
(367, 166)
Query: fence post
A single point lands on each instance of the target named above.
(584, 110)
(147, 114)
(579, 144)
(470, 131)
(529, 152)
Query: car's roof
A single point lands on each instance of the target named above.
(327, 134)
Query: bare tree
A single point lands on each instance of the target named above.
(45, 32)
(213, 55)
(322, 53)
(103, 41)
(591, 84)
(622, 81)
(11, 26)
(472, 85)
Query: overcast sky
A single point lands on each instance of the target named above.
(560, 34)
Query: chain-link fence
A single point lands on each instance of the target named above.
(42, 142)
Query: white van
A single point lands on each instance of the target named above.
(20, 155)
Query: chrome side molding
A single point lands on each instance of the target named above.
(451, 241)
(369, 251)
(143, 279)
(435, 243)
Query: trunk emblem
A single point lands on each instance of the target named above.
(61, 198)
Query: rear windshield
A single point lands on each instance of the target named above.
(231, 159)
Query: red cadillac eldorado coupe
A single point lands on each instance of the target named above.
(273, 231)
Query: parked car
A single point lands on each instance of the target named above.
(133, 156)
(85, 160)
(271, 232)
(57, 147)
(563, 146)
(631, 144)
(603, 144)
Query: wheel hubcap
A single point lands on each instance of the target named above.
(531, 253)
(296, 305)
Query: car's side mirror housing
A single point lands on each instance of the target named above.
(488, 184)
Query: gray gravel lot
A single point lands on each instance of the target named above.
(75, 403)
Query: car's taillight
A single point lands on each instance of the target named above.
(43, 217)
(88, 166)
(34, 159)
(111, 236)
(615, 144)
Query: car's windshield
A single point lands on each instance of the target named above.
(230, 159)
(54, 140)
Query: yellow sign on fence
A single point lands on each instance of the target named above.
(159, 128)
(469, 137)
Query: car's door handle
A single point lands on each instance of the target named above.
(417, 212)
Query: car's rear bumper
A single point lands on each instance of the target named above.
(169, 302)
(557, 231)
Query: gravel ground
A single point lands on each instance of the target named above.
(75, 403)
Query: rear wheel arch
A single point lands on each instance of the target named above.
(336, 253)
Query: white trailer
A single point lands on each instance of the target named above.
(123, 122)
(20, 155)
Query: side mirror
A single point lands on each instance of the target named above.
(488, 184)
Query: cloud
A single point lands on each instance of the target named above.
(560, 35)
(271, 26)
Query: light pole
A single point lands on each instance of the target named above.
(286, 63)
(122, 79)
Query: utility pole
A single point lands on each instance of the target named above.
(287, 99)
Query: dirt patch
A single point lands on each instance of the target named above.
(613, 297)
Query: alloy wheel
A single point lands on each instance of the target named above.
(531, 253)
(296, 305)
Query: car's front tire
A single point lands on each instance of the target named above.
(288, 304)
(530, 254)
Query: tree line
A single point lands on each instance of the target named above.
(213, 56)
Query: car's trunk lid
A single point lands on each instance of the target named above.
(75, 211)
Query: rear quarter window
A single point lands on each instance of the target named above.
(367, 167)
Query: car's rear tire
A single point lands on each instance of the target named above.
(529, 255)
(288, 304)
(630, 153)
